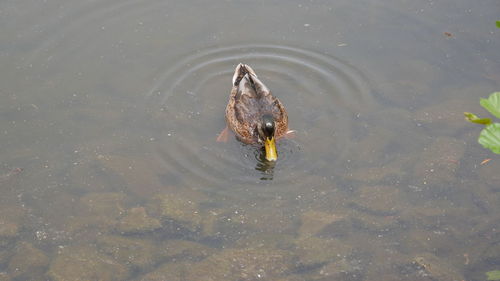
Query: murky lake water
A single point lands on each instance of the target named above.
(109, 168)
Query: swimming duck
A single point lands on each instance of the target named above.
(253, 114)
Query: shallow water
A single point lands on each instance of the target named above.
(110, 170)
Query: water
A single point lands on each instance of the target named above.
(110, 170)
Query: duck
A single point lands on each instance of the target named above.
(254, 114)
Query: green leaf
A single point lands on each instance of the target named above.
(498, 23)
(493, 275)
(471, 117)
(492, 104)
(490, 137)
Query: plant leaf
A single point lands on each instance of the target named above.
(493, 275)
(490, 137)
(498, 23)
(492, 104)
(471, 117)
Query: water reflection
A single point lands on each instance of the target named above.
(264, 166)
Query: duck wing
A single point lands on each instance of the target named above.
(249, 100)
(262, 99)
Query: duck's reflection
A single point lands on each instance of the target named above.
(264, 166)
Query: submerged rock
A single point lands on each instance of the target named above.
(387, 262)
(90, 225)
(89, 176)
(381, 200)
(438, 163)
(10, 220)
(4, 276)
(28, 263)
(109, 204)
(81, 263)
(312, 222)
(437, 268)
(182, 209)
(210, 222)
(168, 272)
(137, 221)
(243, 265)
(99, 212)
(138, 253)
(428, 215)
(8, 229)
(184, 250)
(443, 241)
(375, 223)
(264, 219)
(267, 240)
(341, 228)
(315, 251)
(341, 269)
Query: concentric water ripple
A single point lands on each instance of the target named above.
(323, 96)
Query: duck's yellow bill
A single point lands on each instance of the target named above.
(270, 146)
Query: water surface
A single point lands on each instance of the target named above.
(110, 170)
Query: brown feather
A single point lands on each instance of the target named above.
(248, 101)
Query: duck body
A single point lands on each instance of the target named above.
(253, 113)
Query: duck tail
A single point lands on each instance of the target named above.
(240, 72)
